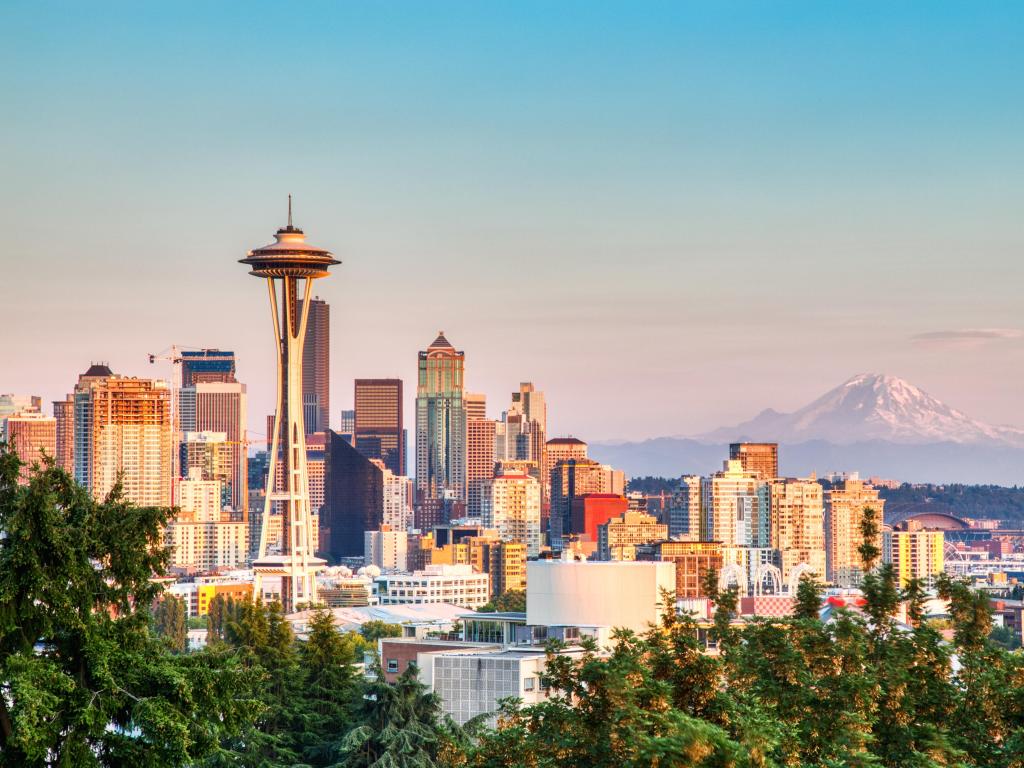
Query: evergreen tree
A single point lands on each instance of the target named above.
(808, 598)
(169, 622)
(83, 681)
(330, 689)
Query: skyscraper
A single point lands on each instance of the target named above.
(479, 452)
(353, 499)
(206, 365)
(844, 510)
(123, 431)
(797, 515)
(572, 479)
(378, 430)
(441, 422)
(735, 514)
(511, 504)
(64, 417)
(283, 264)
(762, 458)
(316, 366)
(212, 405)
(32, 436)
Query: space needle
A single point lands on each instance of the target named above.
(289, 265)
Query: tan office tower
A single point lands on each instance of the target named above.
(796, 512)
(565, 448)
(574, 478)
(479, 451)
(619, 537)
(64, 415)
(503, 561)
(684, 514)
(123, 429)
(316, 366)
(844, 511)
(221, 406)
(32, 436)
(377, 431)
(762, 458)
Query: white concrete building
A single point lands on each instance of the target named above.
(595, 594)
(455, 584)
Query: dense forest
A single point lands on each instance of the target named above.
(93, 672)
(977, 501)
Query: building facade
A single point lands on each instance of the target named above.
(353, 502)
(797, 523)
(760, 458)
(735, 514)
(221, 406)
(916, 554)
(844, 510)
(32, 436)
(511, 505)
(480, 455)
(441, 422)
(618, 538)
(455, 584)
(378, 431)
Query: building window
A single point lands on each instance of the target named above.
(528, 683)
(392, 665)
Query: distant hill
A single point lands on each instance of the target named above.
(872, 424)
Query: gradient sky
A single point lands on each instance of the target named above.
(667, 215)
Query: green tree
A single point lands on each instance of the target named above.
(808, 598)
(169, 622)
(374, 630)
(83, 681)
(330, 689)
(513, 600)
(401, 726)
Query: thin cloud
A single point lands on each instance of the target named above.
(968, 336)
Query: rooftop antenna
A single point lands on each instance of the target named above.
(289, 211)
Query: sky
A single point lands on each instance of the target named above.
(668, 216)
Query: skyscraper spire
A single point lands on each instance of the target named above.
(289, 210)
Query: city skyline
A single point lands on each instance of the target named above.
(737, 232)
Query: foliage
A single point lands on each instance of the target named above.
(374, 630)
(169, 622)
(514, 600)
(652, 485)
(83, 681)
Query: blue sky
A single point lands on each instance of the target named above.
(667, 215)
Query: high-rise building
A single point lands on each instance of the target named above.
(844, 511)
(316, 366)
(915, 554)
(441, 422)
(206, 365)
(207, 456)
(378, 432)
(684, 513)
(123, 432)
(797, 524)
(565, 448)
(283, 264)
(202, 537)
(64, 416)
(511, 504)
(398, 498)
(693, 560)
(735, 513)
(353, 501)
(760, 458)
(573, 478)
(210, 404)
(504, 562)
(32, 436)
(618, 538)
(348, 425)
(387, 549)
(479, 452)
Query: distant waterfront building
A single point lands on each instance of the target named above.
(123, 431)
(915, 554)
(64, 417)
(32, 435)
(354, 499)
(797, 523)
(215, 403)
(760, 458)
(378, 432)
(206, 365)
(316, 366)
(511, 504)
(618, 538)
(11, 404)
(441, 422)
(844, 510)
(480, 457)
(387, 549)
(734, 512)
(455, 584)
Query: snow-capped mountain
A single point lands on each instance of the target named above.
(871, 407)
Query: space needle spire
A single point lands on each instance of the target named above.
(289, 265)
